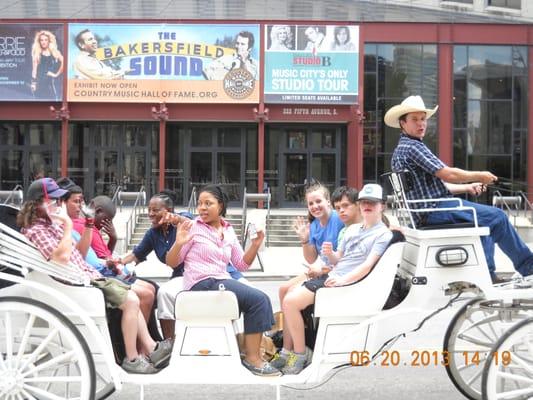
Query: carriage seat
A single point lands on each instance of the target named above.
(366, 297)
(197, 305)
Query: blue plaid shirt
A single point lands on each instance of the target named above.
(414, 156)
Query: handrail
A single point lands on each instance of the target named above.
(191, 207)
(17, 187)
(114, 198)
(499, 199)
(527, 205)
(134, 216)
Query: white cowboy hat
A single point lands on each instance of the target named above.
(409, 105)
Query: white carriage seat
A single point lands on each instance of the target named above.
(197, 305)
(366, 297)
(404, 208)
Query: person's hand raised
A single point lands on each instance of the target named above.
(301, 227)
(182, 234)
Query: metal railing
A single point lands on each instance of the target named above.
(528, 207)
(511, 204)
(138, 208)
(191, 207)
(13, 196)
(114, 198)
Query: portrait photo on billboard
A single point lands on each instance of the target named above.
(31, 62)
(280, 37)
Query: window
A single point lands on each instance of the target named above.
(458, 1)
(514, 4)
(393, 72)
(490, 111)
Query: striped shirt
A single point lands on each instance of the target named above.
(46, 237)
(206, 255)
(413, 155)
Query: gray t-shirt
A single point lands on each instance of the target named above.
(357, 244)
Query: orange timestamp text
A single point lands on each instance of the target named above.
(425, 358)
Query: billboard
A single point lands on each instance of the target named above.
(311, 64)
(173, 63)
(31, 62)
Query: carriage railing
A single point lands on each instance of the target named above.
(400, 182)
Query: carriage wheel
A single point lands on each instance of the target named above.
(508, 372)
(42, 354)
(472, 332)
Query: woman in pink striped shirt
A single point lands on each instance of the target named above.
(206, 246)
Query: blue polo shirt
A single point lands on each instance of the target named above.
(319, 234)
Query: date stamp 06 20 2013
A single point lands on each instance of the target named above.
(426, 358)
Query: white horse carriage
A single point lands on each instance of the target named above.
(55, 341)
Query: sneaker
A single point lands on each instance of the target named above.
(497, 279)
(161, 354)
(280, 359)
(138, 366)
(297, 362)
(265, 370)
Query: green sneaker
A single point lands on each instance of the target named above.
(280, 359)
(297, 362)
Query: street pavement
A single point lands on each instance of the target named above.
(371, 383)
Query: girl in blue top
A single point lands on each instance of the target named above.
(322, 225)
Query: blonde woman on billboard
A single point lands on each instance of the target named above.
(280, 38)
(47, 65)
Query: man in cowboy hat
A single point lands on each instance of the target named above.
(433, 179)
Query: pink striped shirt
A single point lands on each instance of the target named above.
(206, 255)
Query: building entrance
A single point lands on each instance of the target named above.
(297, 157)
(199, 154)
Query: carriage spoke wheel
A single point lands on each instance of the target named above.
(42, 354)
(471, 334)
(508, 372)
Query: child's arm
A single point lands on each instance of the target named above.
(333, 256)
(357, 274)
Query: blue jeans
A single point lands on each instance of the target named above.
(501, 232)
(253, 303)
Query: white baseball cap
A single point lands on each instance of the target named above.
(371, 192)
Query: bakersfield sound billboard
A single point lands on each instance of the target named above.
(173, 63)
(311, 64)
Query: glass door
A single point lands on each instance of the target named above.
(228, 168)
(119, 154)
(295, 179)
(309, 154)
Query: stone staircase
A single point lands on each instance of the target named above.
(280, 230)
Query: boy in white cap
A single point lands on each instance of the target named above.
(433, 179)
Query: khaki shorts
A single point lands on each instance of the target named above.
(115, 291)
